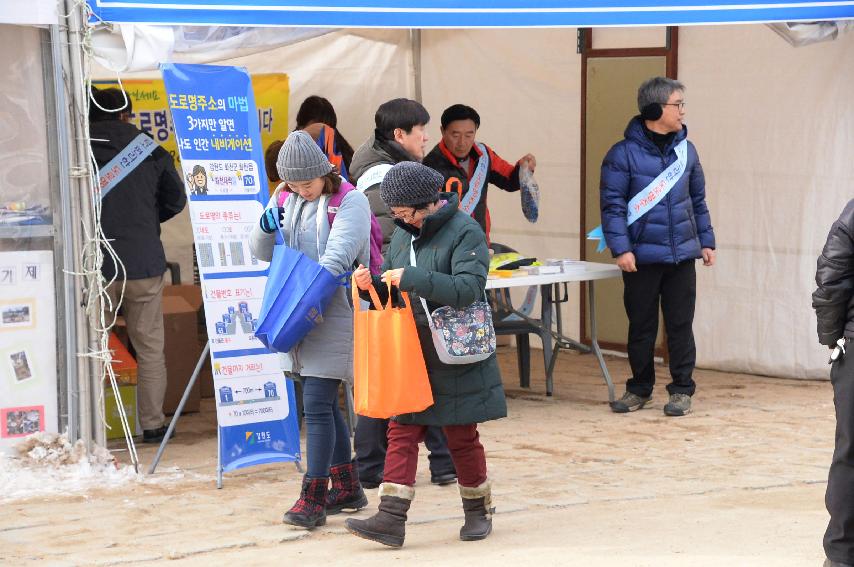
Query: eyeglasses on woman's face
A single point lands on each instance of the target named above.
(406, 214)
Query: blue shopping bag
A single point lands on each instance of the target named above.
(297, 292)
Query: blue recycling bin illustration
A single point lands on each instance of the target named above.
(270, 390)
(234, 317)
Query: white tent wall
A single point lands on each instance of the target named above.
(525, 84)
(773, 125)
(357, 71)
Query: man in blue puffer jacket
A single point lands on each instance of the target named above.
(656, 223)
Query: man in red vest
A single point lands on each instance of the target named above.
(468, 166)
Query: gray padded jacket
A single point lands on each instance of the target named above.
(327, 351)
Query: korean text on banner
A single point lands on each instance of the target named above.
(218, 138)
(151, 109)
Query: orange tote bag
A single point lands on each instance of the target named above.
(389, 374)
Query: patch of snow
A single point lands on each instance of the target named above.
(48, 464)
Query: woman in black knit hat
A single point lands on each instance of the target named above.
(452, 261)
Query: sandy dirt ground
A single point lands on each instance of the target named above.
(738, 482)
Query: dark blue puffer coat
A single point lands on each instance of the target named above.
(678, 226)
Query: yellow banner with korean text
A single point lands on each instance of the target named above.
(151, 108)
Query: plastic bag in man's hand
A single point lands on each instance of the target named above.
(530, 194)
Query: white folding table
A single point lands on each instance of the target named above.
(553, 339)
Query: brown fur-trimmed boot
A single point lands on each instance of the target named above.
(346, 492)
(388, 525)
(477, 505)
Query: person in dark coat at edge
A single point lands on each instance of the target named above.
(452, 261)
(833, 302)
(457, 156)
(131, 213)
(399, 136)
(316, 116)
(657, 253)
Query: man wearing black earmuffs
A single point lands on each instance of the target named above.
(656, 223)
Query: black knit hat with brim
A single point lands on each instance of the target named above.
(410, 184)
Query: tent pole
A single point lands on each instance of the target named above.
(89, 371)
(71, 299)
(415, 45)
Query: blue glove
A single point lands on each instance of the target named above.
(271, 220)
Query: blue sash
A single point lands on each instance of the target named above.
(125, 161)
(478, 181)
(650, 195)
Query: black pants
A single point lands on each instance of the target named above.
(674, 287)
(371, 441)
(839, 499)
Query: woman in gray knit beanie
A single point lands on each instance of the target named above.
(450, 268)
(304, 168)
(300, 211)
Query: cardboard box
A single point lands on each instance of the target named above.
(182, 348)
(124, 365)
(192, 294)
(111, 411)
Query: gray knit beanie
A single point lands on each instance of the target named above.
(410, 184)
(301, 159)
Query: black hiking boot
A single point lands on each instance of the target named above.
(679, 404)
(629, 402)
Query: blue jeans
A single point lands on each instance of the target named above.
(326, 433)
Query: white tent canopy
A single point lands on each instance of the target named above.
(773, 125)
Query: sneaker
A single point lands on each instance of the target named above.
(443, 479)
(629, 402)
(679, 404)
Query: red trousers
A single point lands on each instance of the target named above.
(401, 459)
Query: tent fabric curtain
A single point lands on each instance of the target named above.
(139, 47)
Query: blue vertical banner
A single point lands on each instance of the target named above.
(219, 142)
